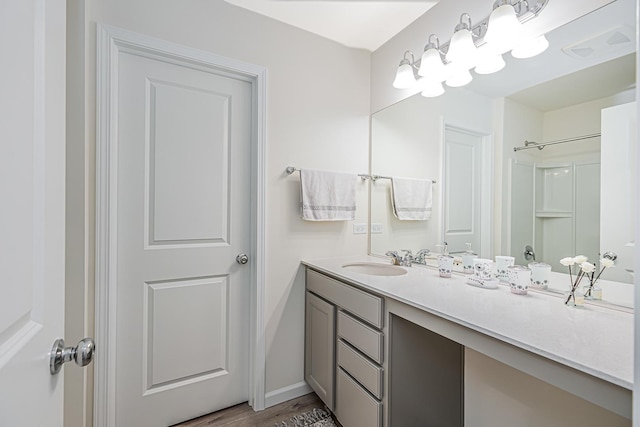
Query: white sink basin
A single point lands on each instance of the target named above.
(375, 269)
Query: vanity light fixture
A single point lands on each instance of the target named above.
(459, 75)
(404, 76)
(504, 30)
(489, 62)
(432, 88)
(530, 47)
(480, 46)
(462, 49)
(431, 64)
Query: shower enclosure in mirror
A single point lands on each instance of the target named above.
(570, 198)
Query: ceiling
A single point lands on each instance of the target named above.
(596, 82)
(353, 23)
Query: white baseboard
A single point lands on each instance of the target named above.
(283, 394)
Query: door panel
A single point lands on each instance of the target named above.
(183, 202)
(32, 105)
(198, 306)
(462, 189)
(198, 162)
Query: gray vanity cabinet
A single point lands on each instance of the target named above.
(344, 348)
(319, 351)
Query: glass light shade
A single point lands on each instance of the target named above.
(404, 76)
(431, 65)
(432, 88)
(504, 30)
(462, 49)
(490, 64)
(530, 47)
(458, 76)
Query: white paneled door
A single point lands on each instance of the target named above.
(462, 189)
(183, 221)
(32, 156)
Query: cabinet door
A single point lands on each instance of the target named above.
(319, 366)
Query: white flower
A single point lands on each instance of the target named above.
(587, 267)
(607, 263)
(567, 262)
(579, 259)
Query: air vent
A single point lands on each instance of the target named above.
(618, 38)
(610, 41)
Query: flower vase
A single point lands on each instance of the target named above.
(574, 298)
(592, 292)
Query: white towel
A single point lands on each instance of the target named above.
(411, 198)
(327, 196)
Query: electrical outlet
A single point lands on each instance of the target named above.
(376, 228)
(360, 228)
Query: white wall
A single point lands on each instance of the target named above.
(317, 117)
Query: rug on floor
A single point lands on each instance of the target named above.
(315, 418)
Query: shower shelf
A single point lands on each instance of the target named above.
(554, 214)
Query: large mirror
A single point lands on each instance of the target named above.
(580, 92)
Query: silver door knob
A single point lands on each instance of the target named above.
(242, 259)
(82, 354)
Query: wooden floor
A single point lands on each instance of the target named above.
(243, 415)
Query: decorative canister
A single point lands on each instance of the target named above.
(445, 265)
(482, 269)
(467, 260)
(519, 278)
(539, 275)
(503, 263)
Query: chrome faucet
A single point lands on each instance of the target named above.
(396, 259)
(529, 254)
(407, 260)
(421, 255)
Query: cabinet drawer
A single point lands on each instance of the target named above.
(360, 303)
(355, 407)
(364, 338)
(360, 368)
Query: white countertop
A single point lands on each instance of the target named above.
(591, 339)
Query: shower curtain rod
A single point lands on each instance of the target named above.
(530, 144)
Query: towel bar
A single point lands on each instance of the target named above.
(292, 169)
(376, 177)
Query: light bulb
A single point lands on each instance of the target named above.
(530, 47)
(490, 64)
(431, 65)
(432, 88)
(462, 49)
(404, 76)
(459, 76)
(504, 30)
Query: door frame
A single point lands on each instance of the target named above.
(111, 41)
